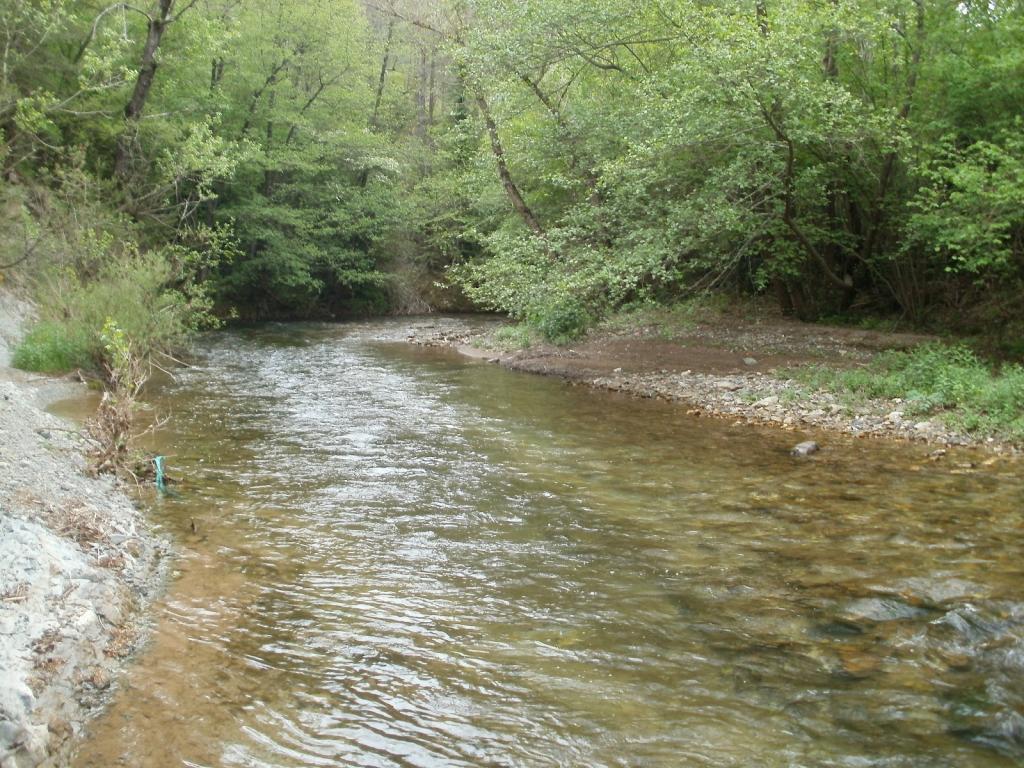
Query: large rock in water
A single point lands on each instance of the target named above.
(805, 449)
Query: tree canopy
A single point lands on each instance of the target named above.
(552, 159)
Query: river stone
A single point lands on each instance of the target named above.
(974, 626)
(60, 728)
(110, 611)
(16, 698)
(10, 734)
(938, 592)
(805, 449)
(880, 609)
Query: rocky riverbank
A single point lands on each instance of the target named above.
(78, 563)
(734, 370)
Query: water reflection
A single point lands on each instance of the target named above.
(407, 559)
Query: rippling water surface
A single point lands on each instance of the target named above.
(405, 558)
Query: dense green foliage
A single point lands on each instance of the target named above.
(553, 159)
(849, 155)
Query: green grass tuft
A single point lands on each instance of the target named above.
(948, 382)
(53, 347)
(512, 337)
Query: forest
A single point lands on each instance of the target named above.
(171, 165)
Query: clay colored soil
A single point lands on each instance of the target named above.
(725, 346)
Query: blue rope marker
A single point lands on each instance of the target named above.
(158, 462)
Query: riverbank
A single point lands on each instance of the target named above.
(728, 367)
(78, 563)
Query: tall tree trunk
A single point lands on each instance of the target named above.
(383, 77)
(514, 195)
(143, 83)
(216, 72)
(431, 88)
(309, 103)
(761, 13)
(421, 96)
(258, 94)
(775, 120)
(268, 173)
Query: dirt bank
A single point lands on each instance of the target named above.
(728, 367)
(77, 565)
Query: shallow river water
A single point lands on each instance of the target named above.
(407, 558)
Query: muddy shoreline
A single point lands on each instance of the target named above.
(79, 564)
(730, 371)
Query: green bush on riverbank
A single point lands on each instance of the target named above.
(949, 382)
(52, 348)
(83, 275)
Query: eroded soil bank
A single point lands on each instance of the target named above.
(728, 367)
(78, 563)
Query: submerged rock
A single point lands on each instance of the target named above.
(805, 449)
(881, 609)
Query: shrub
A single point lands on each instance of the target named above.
(561, 321)
(52, 347)
(150, 296)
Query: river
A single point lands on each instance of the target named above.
(402, 557)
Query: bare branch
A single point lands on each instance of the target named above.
(29, 250)
(324, 84)
(96, 23)
(258, 93)
(183, 11)
(393, 12)
(643, 66)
